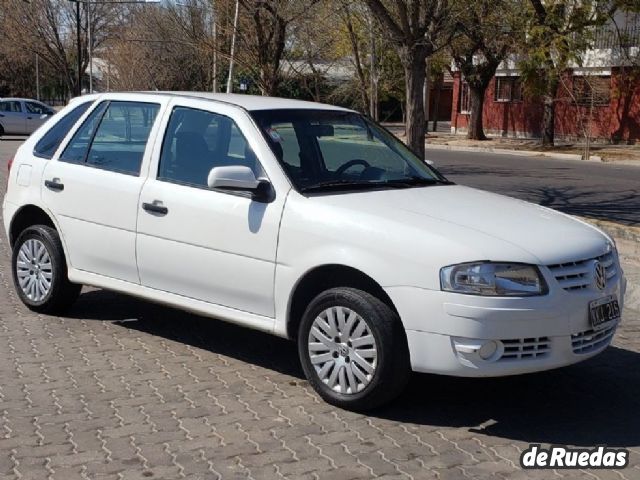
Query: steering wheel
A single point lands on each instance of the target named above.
(351, 163)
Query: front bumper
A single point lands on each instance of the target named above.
(473, 336)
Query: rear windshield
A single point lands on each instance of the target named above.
(48, 144)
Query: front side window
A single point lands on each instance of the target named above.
(197, 141)
(48, 144)
(339, 150)
(37, 108)
(113, 137)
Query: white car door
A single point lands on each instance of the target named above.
(93, 187)
(213, 246)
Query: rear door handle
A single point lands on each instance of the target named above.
(155, 207)
(54, 184)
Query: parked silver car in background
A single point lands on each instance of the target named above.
(22, 116)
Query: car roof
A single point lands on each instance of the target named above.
(256, 102)
(247, 102)
(17, 99)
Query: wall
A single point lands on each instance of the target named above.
(618, 122)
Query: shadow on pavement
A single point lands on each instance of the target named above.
(593, 201)
(592, 403)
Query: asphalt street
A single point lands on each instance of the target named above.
(590, 189)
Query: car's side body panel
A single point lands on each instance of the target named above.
(97, 212)
(223, 245)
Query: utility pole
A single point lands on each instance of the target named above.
(373, 74)
(37, 77)
(79, 47)
(89, 50)
(233, 49)
(214, 70)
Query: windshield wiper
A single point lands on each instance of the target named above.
(415, 181)
(339, 184)
(354, 185)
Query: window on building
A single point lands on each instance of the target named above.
(508, 89)
(592, 90)
(465, 98)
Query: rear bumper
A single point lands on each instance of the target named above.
(471, 336)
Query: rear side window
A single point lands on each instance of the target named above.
(10, 106)
(48, 144)
(113, 137)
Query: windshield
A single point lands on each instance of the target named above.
(334, 150)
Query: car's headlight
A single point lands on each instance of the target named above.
(493, 279)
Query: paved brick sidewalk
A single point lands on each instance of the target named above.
(121, 388)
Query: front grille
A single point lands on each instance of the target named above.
(525, 348)
(578, 275)
(592, 340)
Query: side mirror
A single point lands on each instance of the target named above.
(429, 162)
(239, 178)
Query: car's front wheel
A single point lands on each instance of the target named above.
(353, 349)
(40, 271)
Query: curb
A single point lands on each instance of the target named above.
(523, 153)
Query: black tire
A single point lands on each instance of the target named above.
(392, 368)
(1, 130)
(61, 293)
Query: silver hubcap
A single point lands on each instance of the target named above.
(342, 350)
(34, 270)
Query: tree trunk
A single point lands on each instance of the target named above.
(548, 121)
(476, 97)
(414, 75)
(549, 113)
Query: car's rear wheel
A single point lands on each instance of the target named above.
(353, 349)
(40, 271)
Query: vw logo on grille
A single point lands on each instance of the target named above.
(599, 275)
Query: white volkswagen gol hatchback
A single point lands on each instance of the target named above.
(310, 222)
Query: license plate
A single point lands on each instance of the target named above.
(603, 311)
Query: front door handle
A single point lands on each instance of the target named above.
(54, 185)
(155, 207)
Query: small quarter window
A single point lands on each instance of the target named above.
(48, 144)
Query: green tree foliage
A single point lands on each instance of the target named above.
(485, 33)
(558, 33)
